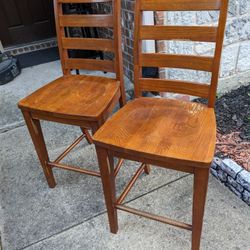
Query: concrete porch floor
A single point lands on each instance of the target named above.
(73, 216)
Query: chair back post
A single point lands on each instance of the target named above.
(137, 49)
(118, 54)
(218, 52)
(58, 10)
(198, 33)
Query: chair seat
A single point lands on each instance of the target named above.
(74, 96)
(163, 129)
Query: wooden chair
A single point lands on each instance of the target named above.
(168, 133)
(82, 100)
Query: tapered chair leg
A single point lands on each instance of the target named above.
(88, 136)
(36, 134)
(108, 183)
(147, 169)
(199, 199)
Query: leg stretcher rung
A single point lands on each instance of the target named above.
(154, 217)
(130, 184)
(87, 134)
(118, 166)
(75, 169)
(72, 146)
(56, 163)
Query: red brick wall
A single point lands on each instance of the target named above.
(128, 36)
(127, 33)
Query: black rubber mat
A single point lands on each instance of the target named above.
(38, 57)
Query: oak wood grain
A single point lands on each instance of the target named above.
(88, 44)
(86, 20)
(180, 5)
(192, 33)
(162, 129)
(203, 63)
(76, 96)
(90, 64)
(175, 86)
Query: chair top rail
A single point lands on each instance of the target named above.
(84, 1)
(180, 5)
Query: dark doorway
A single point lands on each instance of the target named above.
(25, 21)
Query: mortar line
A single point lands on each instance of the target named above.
(101, 213)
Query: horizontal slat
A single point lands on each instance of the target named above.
(175, 86)
(84, 1)
(180, 5)
(86, 20)
(154, 217)
(90, 64)
(193, 33)
(176, 61)
(88, 44)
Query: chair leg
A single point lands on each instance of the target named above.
(147, 169)
(88, 136)
(201, 176)
(36, 134)
(108, 183)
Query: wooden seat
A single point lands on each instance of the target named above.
(166, 133)
(163, 129)
(74, 97)
(82, 100)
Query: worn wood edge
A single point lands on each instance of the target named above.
(152, 159)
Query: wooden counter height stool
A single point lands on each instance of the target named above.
(82, 100)
(168, 133)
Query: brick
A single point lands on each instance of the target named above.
(214, 172)
(231, 167)
(229, 60)
(205, 17)
(244, 57)
(216, 162)
(222, 175)
(234, 190)
(246, 197)
(243, 178)
(244, 6)
(235, 184)
(238, 29)
(233, 8)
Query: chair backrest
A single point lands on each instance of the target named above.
(65, 43)
(190, 33)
